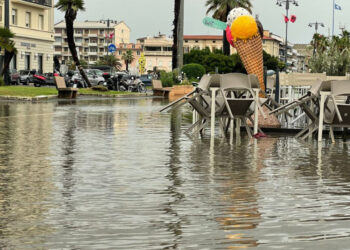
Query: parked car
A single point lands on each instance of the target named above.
(105, 68)
(25, 76)
(95, 76)
(15, 77)
(146, 79)
(50, 79)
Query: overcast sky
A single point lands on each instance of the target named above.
(149, 17)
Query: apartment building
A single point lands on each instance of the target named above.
(157, 51)
(32, 22)
(136, 52)
(91, 39)
(202, 42)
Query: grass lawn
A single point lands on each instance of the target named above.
(26, 91)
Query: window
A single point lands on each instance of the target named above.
(28, 17)
(58, 39)
(14, 16)
(102, 32)
(41, 22)
(138, 52)
(0, 13)
(120, 52)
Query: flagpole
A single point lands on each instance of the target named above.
(333, 18)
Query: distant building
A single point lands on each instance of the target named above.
(202, 42)
(91, 39)
(32, 22)
(136, 51)
(157, 51)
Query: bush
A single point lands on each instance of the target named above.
(167, 78)
(2, 83)
(193, 70)
(100, 88)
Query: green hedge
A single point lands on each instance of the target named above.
(2, 83)
(193, 70)
(167, 78)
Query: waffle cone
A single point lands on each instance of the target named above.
(251, 53)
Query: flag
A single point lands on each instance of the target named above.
(337, 7)
(293, 18)
(286, 19)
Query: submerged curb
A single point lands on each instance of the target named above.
(118, 96)
(27, 98)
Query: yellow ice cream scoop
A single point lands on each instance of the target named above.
(244, 27)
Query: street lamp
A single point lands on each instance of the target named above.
(287, 4)
(108, 22)
(316, 24)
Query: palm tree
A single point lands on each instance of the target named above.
(6, 43)
(177, 58)
(71, 8)
(111, 61)
(221, 9)
(128, 57)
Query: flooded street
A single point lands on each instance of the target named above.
(117, 174)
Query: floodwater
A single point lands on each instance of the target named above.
(117, 174)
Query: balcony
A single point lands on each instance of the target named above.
(92, 44)
(92, 53)
(78, 35)
(46, 4)
(57, 43)
(57, 53)
(92, 35)
(158, 53)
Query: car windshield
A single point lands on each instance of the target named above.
(24, 72)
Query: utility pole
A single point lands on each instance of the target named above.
(7, 54)
(316, 24)
(109, 39)
(287, 5)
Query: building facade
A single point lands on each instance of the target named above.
(32, 22)
(91, 39)
(202, 42)
(157, 51)
(136, 52)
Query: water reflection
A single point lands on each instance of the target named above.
(117, 174)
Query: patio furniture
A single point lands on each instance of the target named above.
(309, 103)
(334, 107)
(238, 94)
(63, 91)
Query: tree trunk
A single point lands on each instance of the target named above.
(226, 45)
(7, 61)
(70, 17)
(180, 36)
(177, 6)
(127, 65)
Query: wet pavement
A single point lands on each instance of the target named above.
(117, 174)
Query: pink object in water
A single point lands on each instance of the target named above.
(229, 36)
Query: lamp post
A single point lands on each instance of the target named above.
(7, 25)
(316, 24)
(287, 5)
(108, 22)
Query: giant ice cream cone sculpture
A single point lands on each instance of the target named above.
(248, 43)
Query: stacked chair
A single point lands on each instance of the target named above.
(236, 98)
(309, 103)
(334, 106)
